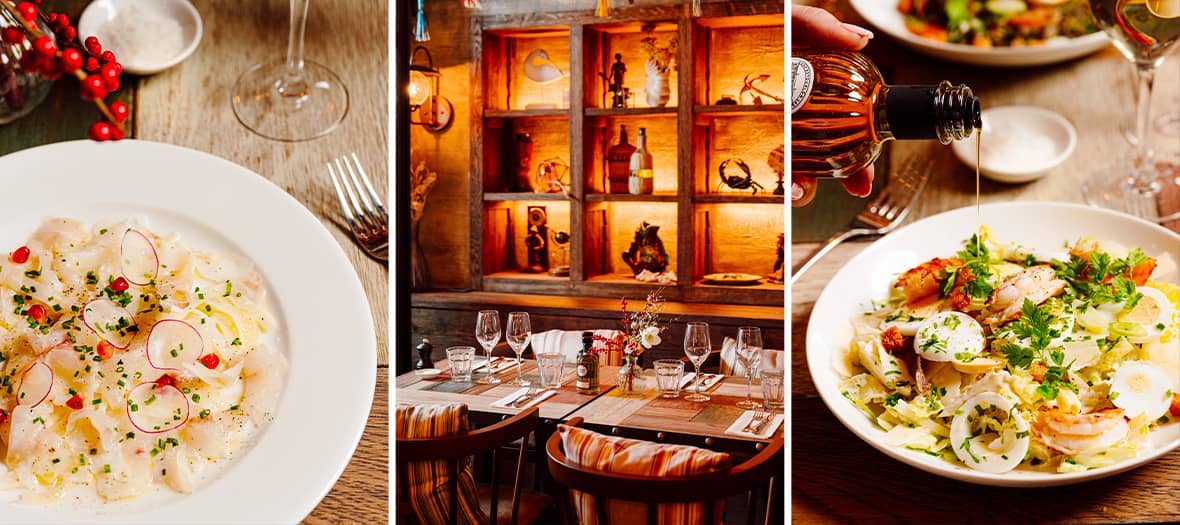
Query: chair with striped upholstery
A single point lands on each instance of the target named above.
(434, 476)
(616, 481)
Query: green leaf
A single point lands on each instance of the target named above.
(1018, 356)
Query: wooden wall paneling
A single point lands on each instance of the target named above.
(522, 91)
(700, 240)
(497, 230)
(702, 41)
(579, 167)
(685, 265)
(750, 138)
(595, 55)
(595, 241)
(742, 237)
(495, 82)
(738, 51)
(482, 46)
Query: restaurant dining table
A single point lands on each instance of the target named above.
(189, 105)
(837, 477)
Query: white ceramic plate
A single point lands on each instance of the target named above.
(327, 329)
(883, 15)
(1011, 130)
(1036, 225)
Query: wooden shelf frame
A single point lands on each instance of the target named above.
(687, 108)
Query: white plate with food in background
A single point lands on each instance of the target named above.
(869, 275)
(326, 330)
(884, 16)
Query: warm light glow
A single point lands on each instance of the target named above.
(419, 88)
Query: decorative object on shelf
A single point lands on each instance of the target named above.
(602, 8)
(641, 177)
(732, 279)
(562, 268)
(726, 100)
(641, 332)
(737, 182)
(696, 7)
(646, 251)
(517, 176)
(421, 34)
(421, 182)
(777, 275)
(665, 277)
(435, 112)
(552, 177)
(660, 62)
(614, 83)
(618, 164)
(756, 93)
(537, 241)
(37, 48)
(424, 350)
(539, 68)
(777, 162)
(473, 4)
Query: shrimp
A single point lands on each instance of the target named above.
(921, 281)
(1072, 434)
(1037, 284)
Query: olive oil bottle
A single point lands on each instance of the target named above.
(587, 367)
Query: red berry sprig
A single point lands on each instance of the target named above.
(97, 69)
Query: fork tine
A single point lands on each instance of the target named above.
(368, 209)
(344, 206)
(363, 219)
(369, 187)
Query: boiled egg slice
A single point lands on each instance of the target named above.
(1153, 313)
(1140, 387)
(982, 447)
(946, 335)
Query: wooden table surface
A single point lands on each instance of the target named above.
(839, 478)
(189, 105)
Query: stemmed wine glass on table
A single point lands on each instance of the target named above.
(487, 332)
(749, 353)
(696, 347)
(294, 99)
(518, 333)
(1143, 31)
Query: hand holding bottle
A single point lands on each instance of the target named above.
(814, 27)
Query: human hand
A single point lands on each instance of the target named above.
(814, 27)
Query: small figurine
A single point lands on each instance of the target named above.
(614, 83)
(777, 275)
(776, 162)
(647, 251)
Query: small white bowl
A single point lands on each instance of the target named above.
(1020, 143)
(427, 372)
(101, 12)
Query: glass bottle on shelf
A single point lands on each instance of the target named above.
(842, 112)
(618, 164)
(641, 180)
(587, 367)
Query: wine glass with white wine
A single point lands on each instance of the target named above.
(1144, 31)
(294, 99)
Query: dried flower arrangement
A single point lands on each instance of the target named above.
(663, 57)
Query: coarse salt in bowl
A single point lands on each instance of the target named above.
(1020, 143)
(147, 36)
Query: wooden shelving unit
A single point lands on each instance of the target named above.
(706, 228)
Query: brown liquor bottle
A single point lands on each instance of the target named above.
(618, 162)
(842, 112)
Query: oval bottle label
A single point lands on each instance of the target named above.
(802, 81)
(582, 370)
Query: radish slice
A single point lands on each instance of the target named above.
(173, 343)
(35, 384)
(141, 263)
(110, 321)
(154, 409)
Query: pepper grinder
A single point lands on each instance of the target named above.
(424, 350)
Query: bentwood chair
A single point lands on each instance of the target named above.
(526, 507)
(759, 472)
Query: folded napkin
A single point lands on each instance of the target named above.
(764, 433)
(541, 396)
(498, 364)
(710, 380)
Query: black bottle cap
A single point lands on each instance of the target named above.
(910, 112)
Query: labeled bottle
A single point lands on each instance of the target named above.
(842, 112)
(618, 163)
(586, 381)
(642, 179)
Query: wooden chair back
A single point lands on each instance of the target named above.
(756, 473)
(455, 448)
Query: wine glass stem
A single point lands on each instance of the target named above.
(749, 383)
(293, 83)
(519, 371)
(1144, 166)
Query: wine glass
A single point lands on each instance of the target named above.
(749, 352)
(294, 99)
(487, 332)
(1144, 31)
(696, 347)
(518, 333)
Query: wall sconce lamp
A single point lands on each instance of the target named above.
(434, 111)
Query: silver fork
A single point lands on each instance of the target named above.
(755, 419)
(363, 210)
(524, 398)
(883, 213)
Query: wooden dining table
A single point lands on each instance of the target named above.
(189, 105)
(837, 477)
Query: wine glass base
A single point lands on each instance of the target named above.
(696, 398)
(488, 380)
(748, 405)
(1112, 188)
(312, 112)
(522, 382)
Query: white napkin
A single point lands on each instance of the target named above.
(767, 429)
(504, 362)
(710, 380)
(541, 396)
